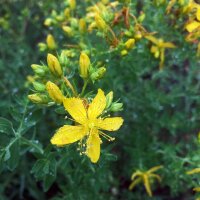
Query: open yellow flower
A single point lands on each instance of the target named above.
(89, 125)
(145, 177)
(158, 49)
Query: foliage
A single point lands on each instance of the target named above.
(143, 54)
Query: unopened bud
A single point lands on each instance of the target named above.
(38, 98)
(48, 22)
(124, 52)
(141, 17)
(82, 25)
(84, 65)
(67, 13)
(115, 107)
(109, 99)
(130, 43)
(72, 4)
(68, 30)
(100, 23)
(138, 35)
(51, 44)
(39, 86)
(98, 74)
(39, 69)
(54, 92)
(54, 65)
(42, 46)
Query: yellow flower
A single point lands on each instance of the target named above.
(145, 177)
(89, 125)
(158, 49)
(54, 92)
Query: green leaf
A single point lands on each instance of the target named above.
(14, 154)
(6, 126)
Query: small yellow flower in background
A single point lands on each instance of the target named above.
(89, 125)
(145, 177)
(51, 44)
(158, 49)
(191, 172)
(54, 65)
(84, 65)
(54, 92)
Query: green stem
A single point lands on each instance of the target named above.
(84, 87)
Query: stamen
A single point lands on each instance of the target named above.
(107, 137)
(66, 117)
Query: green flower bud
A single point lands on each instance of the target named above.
(38, 98)
(39, 69)
(39, 86)
(98, 74)
(115, 107)
(109, 99)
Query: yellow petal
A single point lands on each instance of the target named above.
(134, 183)
(147, 185)
(152, 39)
(196, 189)
(135, 174)
(198, 14)
(168, 45)
(193, 171)
(153, 169)
(192, 26)
(68, 134)
(97, 106)
(93, 146)
(110, 124)
(76, 109)
(155, 176)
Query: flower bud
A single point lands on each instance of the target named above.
(39, 86)
(51, 44)
(42, 46)
(100, 23)
(72, 4)
(109, 99)
(68, 30)
(82, 25)
(48, 22)
(54, 65)
(115, 107)
(141, 17)
(38, 98)
(84, 65)
(98, 74)
(54, 92)
(124, 52)
(67, 13)
(39, 69)
(130, 43)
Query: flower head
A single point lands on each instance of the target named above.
(89, 125)
(145, 177)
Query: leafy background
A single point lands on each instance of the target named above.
(161, 112)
